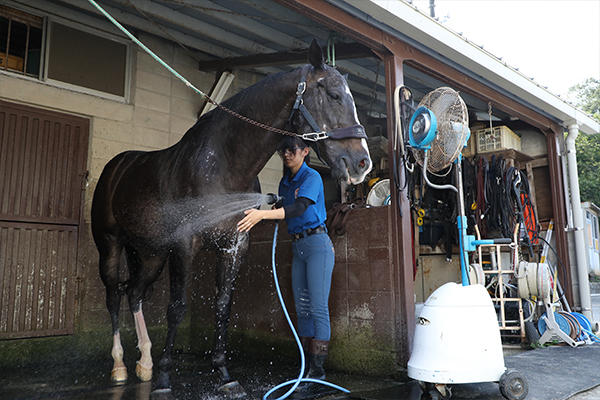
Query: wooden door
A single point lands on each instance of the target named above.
(43, 158)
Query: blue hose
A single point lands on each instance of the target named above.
(586, 327)
(299, 379)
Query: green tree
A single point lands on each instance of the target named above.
(588, 147)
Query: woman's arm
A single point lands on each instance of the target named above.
(254, 216)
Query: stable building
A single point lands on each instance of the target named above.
(75, 92)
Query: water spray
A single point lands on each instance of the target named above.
(299, 379)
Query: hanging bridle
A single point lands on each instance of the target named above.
(354, 131)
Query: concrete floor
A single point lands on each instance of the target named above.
(593, 394)
(192, 378)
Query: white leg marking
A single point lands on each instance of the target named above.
(119, 371)
(144, 365)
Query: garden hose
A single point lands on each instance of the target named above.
(299, 379)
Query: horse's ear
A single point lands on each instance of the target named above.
(315, 55)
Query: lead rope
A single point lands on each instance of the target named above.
(185, 81)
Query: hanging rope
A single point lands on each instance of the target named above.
(331, 49)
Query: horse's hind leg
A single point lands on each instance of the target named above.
(143, 272)
(179, 263)
(143, 368)
(110, 255)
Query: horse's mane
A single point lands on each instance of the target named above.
(239, 101)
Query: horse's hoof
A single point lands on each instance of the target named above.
(119, 375)
(163, 383)
(161, 390)
(143, 373)
(233, 390)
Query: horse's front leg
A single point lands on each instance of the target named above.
(228, 265)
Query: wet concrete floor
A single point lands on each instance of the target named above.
(193, 378)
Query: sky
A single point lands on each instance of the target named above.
(556, 42)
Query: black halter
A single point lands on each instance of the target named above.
(354, 131)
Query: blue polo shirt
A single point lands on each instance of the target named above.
(306, 183)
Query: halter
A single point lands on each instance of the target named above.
(354, 131)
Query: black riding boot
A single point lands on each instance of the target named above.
(317, 356)
(305, 342)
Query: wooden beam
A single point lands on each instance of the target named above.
(400, 232)
(297, 56)
(361, 31)
(559, 211)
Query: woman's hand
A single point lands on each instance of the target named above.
(253, 217)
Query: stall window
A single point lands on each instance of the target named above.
(83, 59)
(20, 41)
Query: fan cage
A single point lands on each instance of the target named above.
(452, 128)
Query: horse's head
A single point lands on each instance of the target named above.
(327, 99)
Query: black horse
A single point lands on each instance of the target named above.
(220, 154)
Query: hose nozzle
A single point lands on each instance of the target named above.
(272, 198)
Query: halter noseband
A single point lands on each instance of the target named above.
(354, 131)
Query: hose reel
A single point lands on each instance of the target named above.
(534, 279)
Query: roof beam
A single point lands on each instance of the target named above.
(315, 29)
(296, 56)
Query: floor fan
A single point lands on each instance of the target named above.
(457, 339)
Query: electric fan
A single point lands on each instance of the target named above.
(444, 111)
(457, 339)
(379, 195)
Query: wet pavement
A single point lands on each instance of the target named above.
(193, 378)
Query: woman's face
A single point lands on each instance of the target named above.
(293, 157)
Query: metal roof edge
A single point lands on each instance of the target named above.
(412, 26)
(591, 206)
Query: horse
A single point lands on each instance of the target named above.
(219, 154)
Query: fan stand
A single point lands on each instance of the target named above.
(553, 331)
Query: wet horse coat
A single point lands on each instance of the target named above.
(220, 154)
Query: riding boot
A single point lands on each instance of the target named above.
(317, 356)
(305, 342)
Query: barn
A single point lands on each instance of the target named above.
(74, 92)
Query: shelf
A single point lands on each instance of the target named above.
(508, 154)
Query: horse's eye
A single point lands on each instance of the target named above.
(334, 96)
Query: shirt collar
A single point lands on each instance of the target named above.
(296, 177)
(303, 168)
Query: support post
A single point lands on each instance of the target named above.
(559, 211)
(580, 252)
(400, 228)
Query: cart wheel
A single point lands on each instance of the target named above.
(513, 385)
(436, 391)
(444, 391)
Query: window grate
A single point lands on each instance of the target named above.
(20, 41)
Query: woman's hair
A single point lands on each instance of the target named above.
(291, 142)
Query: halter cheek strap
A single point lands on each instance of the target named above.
(354, 131)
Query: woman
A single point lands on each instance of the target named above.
(313, 256)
